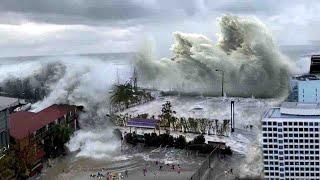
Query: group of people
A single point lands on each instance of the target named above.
(173, 167)
(110, 176)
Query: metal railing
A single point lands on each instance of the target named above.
(206, 164)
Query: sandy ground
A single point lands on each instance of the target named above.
(132, 159)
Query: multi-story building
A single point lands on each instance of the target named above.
(290, 140)
(33, 131)
(6, 106)
(305, 88)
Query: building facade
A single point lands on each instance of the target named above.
(290, 140)
(31, 132)
(305, 88)
(6, 106)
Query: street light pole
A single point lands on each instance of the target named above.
(222, 80)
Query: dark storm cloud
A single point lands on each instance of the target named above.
(120, 11)
(72, 11)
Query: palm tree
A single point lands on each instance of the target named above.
(167, 114)
(123, 93)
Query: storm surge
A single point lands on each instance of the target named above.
(76, 80)
(245, 53)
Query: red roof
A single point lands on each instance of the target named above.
(23, 123)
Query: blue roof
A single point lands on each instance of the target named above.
(144, 123)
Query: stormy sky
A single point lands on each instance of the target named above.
(54, 27)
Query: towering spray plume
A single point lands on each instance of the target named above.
(245, 52)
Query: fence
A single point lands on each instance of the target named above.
(204, 166)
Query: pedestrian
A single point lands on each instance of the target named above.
(126, 173)
(231, 171)
(160, 167)
(172, 166)
(144, 171)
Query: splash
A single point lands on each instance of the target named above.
(76, 80)
(245, 52)
(99, 144)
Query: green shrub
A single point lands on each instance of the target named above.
(180, 142)
(199, 139)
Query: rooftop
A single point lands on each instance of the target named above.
(7, 102)
(295, 110)
(23, 123)
(306, 77)
(142, 123)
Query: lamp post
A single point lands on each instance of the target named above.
(222, 80)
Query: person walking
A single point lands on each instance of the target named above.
(144, 171)
(126, 173)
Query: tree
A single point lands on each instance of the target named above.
(184, 124)
(122, 94)
(167, 114)
(61, 135)
(166, 139)
(193, 124)
(199, 139)
(7, 167)
(203, 125)
(180, 142)
(19, 160)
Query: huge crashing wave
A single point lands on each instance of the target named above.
(75, 80)
(245, 52)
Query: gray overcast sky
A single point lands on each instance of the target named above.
(47, 27)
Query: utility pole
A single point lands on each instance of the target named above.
(232, 116)
(135, 79)
(222, 80)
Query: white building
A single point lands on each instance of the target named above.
(290, 139)
(305, 88)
